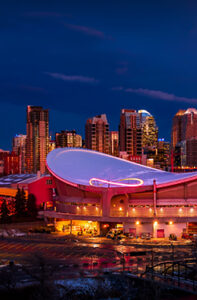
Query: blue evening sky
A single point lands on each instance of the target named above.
(82, 58)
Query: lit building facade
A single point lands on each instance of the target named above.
(97, 135)
(177, 128)
(184, 138)
(130, 132)
(9, 162)
(149, 129)
(19, 148)
(37, 142)
(114, 143)
(52, 144)
(68, 138)
(41, 187)
(159, 156)
(98, 191)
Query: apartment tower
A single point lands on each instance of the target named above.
(68, 138)
(184, 138)
(19, 148)
(37, 143)
(97, 134)
(130, 132)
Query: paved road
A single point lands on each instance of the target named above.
(86, 252)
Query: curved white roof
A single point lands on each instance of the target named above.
(87, 167)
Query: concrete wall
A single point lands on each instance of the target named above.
(176, 228)
(146, 227)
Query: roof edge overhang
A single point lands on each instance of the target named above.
(176, 182)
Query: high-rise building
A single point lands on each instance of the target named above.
(9, 163)
(149, 129)
(114, 143)
(97, 134)
(177, 128)
(19, 148)
(68, 138)
(130, 132)
(37, 143)
(163, 154)
(184, 138)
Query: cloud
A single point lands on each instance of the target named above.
(157, 94)
(87, 30)
(73, 78)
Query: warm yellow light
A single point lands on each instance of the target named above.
(150, 209)
(155, 223)
(77, 207)
(133, 209)
(137, 222)
(170, 223)
(96, 208)
(180, 209)
(191, 209)
(161, 209)
(120, 208)
(84, 207)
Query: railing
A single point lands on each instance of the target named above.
(79, 210)
(149, 212)
(176, 273)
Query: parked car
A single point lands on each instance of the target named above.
(187, 236)
(131, 236)
(172, 237)
(146, 236)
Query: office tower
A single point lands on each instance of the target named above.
(19, 148)
(9, 162)
(97, 134)
(130, 132)
(177, 128)
(3, 154)
(68, 138)
(163, 154)
(37, 143)
(149, 129)
(114, 143)
(184, 138)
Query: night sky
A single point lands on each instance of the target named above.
(82, 58)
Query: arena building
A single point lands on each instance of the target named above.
(96, 191)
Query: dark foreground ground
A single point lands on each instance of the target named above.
(55, 267)
(105, 287)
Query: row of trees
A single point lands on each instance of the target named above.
(23, 207)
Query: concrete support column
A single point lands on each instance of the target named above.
(154, 197)
(106, 201)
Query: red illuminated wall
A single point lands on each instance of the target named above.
(42, 189)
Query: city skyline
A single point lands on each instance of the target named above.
(81, 60)
(53, 135)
